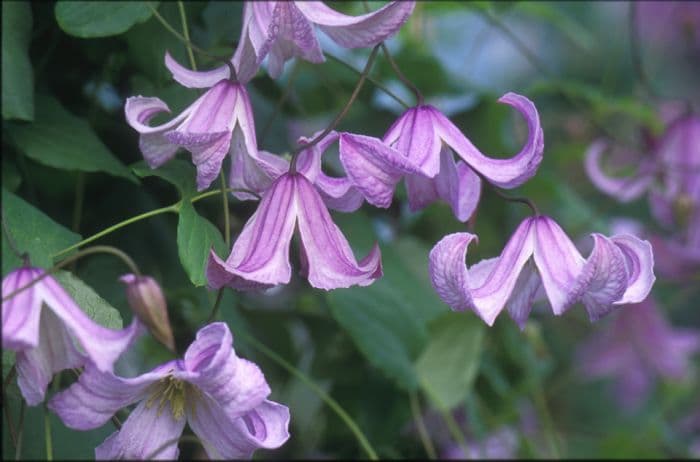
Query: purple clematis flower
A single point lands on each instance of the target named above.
(420, 146)
(636, 347)
(260, 256)
(284, 29)
(618, 271)
(49, 332)
(221, 396)
(216, 124)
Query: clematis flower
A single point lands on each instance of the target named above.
(618, 271)
(218, 123)
(221, 396)
(49, 332)
(420, 145)
(147, 301)
(284, 29)
(260, 255)
(638, 346)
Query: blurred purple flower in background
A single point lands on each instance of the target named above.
(499, 444)
(638, 346)
(221, 396)
(49, 332)
(420, 146)
(284, 29)
(618, 271)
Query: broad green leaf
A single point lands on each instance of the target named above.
(101, 19)
(177, 172)
(92, 304)
(17, 74)
(32, 232)
(447, 367)
(387, 320)
(11, 178)
(195, 237)
(59, 139)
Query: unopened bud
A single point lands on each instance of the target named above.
(148, 304)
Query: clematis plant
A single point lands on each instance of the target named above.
(221, 396)
(618, 271)
(50, 333)
(420, 145)
(284, 29)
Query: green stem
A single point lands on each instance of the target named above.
(186, 32)
(362, 440)
(227, 216)
(215, 308)
(47, 434)
(422, 431)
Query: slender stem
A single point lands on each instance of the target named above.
(227, 216)
(104, 232)
(401, 76)
(341, 114)
(47, 434)
(362, 440)
(278, 106)
(8, 418)
(422, 431)
(186, 32)
(522, 200)
(89, 251)
(215, 308)
(371, 79)
(20, 432)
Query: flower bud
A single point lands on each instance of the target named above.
(148, 304)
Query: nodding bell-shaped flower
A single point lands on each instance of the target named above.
(218, 123)
(618, 271)
(49, 332)
(147, 301)
(221, 396)
(284, 29)
(260, 256)
(420, 146)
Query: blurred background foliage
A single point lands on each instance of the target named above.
(71, 167)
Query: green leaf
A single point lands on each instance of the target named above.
(101, 19)
(195, 237)
(32, 232)
(447, 367)
(59, 139)
(17, 75)
(387, 320)
(177, 172)
(92, 304)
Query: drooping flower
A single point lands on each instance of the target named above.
(216, 124)
(638, 346)
(260, 255)
(284, 30)
(147, 301)
(221, 396)
(420, 146)
(618, 271)
(49, 332)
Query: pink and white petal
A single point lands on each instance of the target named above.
(558, 262)
(211, 364)
(358, 31)
(251, 45)
(96, 396)
(394, 132)
(418, 140)
(505, 173)
(639, 261)
(227, 437)
(339, 193)
(458, 185)
(21, 313)
(260, 255)
(523, 297)
(331, 263)
(148, 433)
(623, 189)
(290, 34)
(102, 345)
(195, 79)
(55, 352)
(373, 167)
(448, 270)
(252, 173)
(603, 278)
(421, 191)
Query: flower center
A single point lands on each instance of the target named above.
(169, 390)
